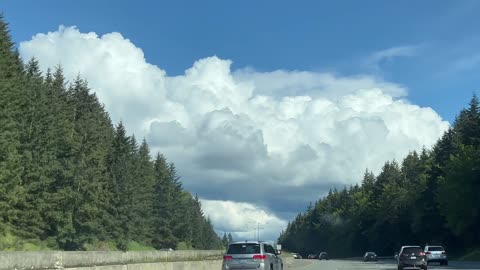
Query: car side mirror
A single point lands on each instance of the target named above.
(278, 252)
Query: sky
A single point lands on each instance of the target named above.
(265, 105)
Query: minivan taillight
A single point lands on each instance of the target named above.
(259, 257)
(422, 253)
(444, 253)
(227, 258)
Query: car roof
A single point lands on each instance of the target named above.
(403, 247)
(434, 246)
(247, 242)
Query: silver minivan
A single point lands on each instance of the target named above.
(252, 255)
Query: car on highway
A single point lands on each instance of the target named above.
(436, 254)
(312, 256)
(252, 255)
(370, 256)
(323, 256)
(296, 256)
(411, 257)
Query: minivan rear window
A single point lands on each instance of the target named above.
(247, 248)
(435, 248)
(411, 250)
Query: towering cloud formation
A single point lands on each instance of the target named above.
(247, 142)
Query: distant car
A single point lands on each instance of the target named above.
(252, 255)
(312, 256)
(323, 256)
(411, 257)
(296, 256)
(436, 254)
(370, 256)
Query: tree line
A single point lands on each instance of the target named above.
(430, 196)
(71, 180)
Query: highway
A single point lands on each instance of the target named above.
(380, 265)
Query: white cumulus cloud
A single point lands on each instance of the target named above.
(264, 143)
(245, 220)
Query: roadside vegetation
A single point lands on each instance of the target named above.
(71, 180)
(473, 255)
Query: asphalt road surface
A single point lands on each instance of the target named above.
(380, 265)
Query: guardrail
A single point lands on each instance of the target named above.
(70, 259)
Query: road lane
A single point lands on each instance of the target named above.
(380, 265)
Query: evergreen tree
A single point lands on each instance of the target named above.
(10, 110)
(467, 124)
(225, 240)
(230, 238)
(143, 224)
(92, 137)
(462, 179)
(163, 205)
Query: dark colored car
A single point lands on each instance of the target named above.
(370, 256)
(412, 257)
(312, 256)
(323, 256)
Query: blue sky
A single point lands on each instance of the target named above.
(440, 64)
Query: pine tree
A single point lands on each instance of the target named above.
(91, 140)
(462, 179)
(197, 220)
(143, 223)
(467, 124)
(10, 110)
(29, 222)
(121, 171)
(225, 240)
(163, 206)
(230, 238)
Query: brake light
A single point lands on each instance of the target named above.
(422, 253)
(227, 258)
(259, 257)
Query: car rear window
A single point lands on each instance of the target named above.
(410, 250)
(243, 249)
(435, 249)
(370, 253)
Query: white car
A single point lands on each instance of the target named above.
(296, 256)
(252, 255)
(436, 254)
